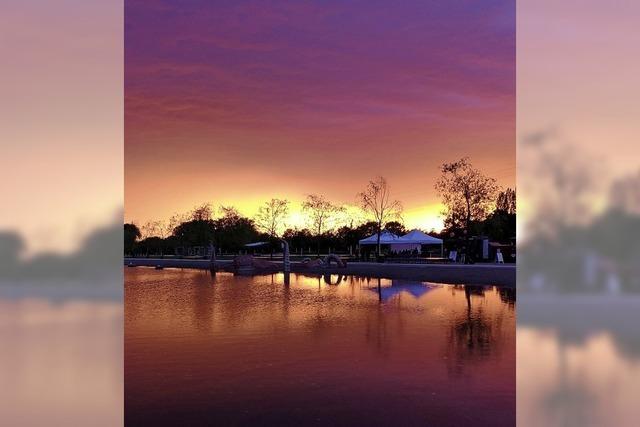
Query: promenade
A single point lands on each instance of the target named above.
(476, 274)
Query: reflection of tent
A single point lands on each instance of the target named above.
(416, 289)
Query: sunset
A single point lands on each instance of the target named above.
(311, 189)
(236, 104)
(320, 213)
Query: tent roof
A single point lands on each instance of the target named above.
(417, 236)
(256, 244)
(386, 238)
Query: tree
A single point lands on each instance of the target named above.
(195, 233)
(320, 212)
(625, 194)
(150, 236)
(198, 229)
(499, 226)
(376, 200)
(163, 231)
(11, 247)
(270, 217)
(395, 227)
(506, 201)
(232, 230)
(298, 239)
(174, 222)
(202, 212)
(350, 236)
(467, 194)
(131, 234)
(150, 229)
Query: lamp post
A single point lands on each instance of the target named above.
(286, 263)
(285, 256)
(212, 258)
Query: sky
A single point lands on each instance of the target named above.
(61, 127)
(62, 132)
(237, 102)
(577, 82)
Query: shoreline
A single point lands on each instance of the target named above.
(474, 274)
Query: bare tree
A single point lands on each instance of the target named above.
(150, 229)
(202, 212)
(270, 217)
(321, 212)
(467, 194)
(164, 230)
(376, 200)
(229, 211)
(175, 220)
(560, 182)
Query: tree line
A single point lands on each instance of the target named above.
(473, 205)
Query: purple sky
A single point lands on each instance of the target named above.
(236, 102)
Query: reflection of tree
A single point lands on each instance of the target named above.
(203, 298)
(376, 329)
(508, 296)
(286, 296)
(472, 336)
(575, 321)
(568, 402)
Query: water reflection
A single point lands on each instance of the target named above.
(247, 348)
(587, 383)
(475, 335)
(61, 363)
(578, 361)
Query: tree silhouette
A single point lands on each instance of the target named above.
(376, 200)
(320, 212)
(131, 234)
(506, 201)
(467, 194)
(270, 218)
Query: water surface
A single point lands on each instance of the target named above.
(229, 350)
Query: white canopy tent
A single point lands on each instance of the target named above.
(386, 238)
(409, 242)
(256, 244)
(418, 238)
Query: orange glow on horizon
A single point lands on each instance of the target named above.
(427, 217)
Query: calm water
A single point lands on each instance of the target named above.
(228, 350)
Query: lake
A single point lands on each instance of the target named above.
(333, 350)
